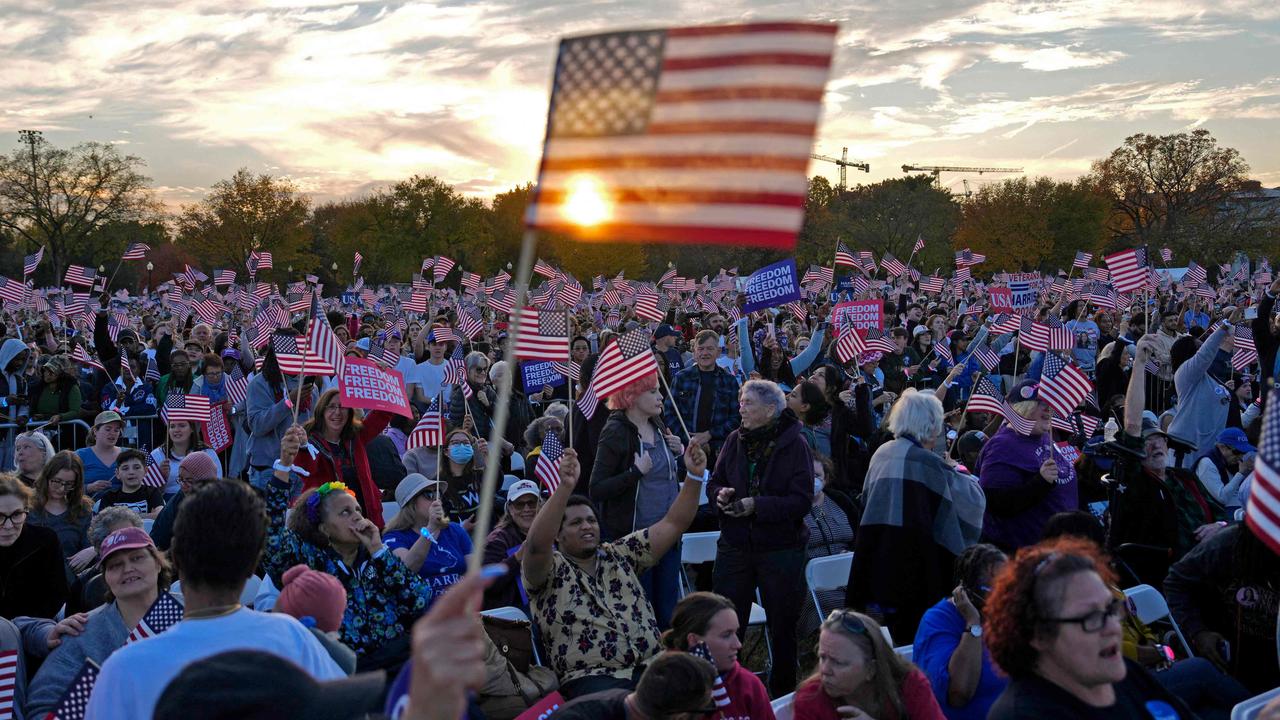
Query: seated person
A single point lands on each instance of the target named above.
(131, 467)
(948, 646)
(675, 685)
(586, 595)
(423, 537)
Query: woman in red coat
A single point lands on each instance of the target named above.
(338, 441)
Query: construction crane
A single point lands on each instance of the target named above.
(844, 163)
(937, 170)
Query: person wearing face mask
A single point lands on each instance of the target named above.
(830, 523)
(462, 474)
(948, 646)
(326, 531)
(706, 624)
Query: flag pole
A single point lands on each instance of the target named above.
(493, 459)
(964, 413)
(113, 276)
(440, 443)
(662, 378)
(568, 326)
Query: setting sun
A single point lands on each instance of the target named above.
(586, 202)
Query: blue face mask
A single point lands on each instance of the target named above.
(461, 454)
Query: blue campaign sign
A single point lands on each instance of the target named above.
(772, 285)
(537, 375)
(350, 298)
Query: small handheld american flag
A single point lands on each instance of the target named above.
(429, 432)
(165, 612)
(194, 408)
(155, 476)
(73, 704)
(548, 468)
(719, 692)
(8, 675)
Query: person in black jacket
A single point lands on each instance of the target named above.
(763, 488)
(636, 479)
(33, 576)
(1266, 332)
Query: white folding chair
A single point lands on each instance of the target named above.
(147, 524)
(696, 548)
(389, 510)
(1149, 605)
(250, 592)
(175, 589)
(517, 463)
(906, 652)
(507, 482)
(827, 573)
(782, 709)
(268, 593)
(514, 613)
(1249, 709)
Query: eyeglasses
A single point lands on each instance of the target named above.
(64, 483)
(15, 518)
(1094, 621)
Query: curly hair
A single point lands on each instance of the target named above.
(626, 396)
(1029, 589)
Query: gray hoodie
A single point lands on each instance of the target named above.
(1202, 401)
(103, 634)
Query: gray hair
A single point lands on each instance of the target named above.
(496, 370)
(537, 430)
(110, 519)
(38, 438)
(916, 415)
(767, 392)
(474, 358)
(557, 410)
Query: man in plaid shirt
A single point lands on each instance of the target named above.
(706, 396)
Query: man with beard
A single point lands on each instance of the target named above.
(585, 595)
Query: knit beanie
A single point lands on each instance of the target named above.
(313, 594)
(198, 466)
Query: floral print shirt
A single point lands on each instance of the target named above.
(601, 624)
(384, 597)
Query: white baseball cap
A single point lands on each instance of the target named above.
(520, 488)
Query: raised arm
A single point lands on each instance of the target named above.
(801, 362)
(1135, 397)
(546, 524)
(745, 355)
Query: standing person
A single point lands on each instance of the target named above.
(60, 505)
(708, 623)
(422, 536)
(665, 339)
(269, 401)
(705, 395)
(860, 677)
(218, 541)
(135, 573)
(1053, 626)
(1025, 477)
(1204, 402)
(506, 545)
(33, 577)
(182, 438)
(762, 488)
(919, 512)
(178, 380)
(99, 459)
(14, 355)
(339, 438)
(634, 481)
(55, 395)
(585, 595)
(948, 646)
(428, 375)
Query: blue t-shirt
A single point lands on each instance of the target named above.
(94, 470)
(446, 562)
(937, 638)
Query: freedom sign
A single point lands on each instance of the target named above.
(537, 375)
(365, 385)
(859, 314)
(772, 285)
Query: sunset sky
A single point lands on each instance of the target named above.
(346, 97)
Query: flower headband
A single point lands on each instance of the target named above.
(313, 502)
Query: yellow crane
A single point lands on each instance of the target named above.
(937, 170)
(844, 162)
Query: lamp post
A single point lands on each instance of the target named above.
(334, 269)
(150, 267)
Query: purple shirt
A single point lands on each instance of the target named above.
(1011, 460)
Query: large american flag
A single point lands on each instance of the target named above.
(1262, 512)
(1082, 259)
(892, 265)
(1063, 385)
(1129, 269)
(165, 612)
(13, 291)
(544, 335)
(686, 135)
(547, 470)
(441, 268)
(629, 357)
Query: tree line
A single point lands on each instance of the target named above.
(86, 203)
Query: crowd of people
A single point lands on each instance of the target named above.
(296, 554)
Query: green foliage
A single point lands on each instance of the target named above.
(1038, 224)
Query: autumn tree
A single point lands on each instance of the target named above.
(63, 198)
(1026, 224)
(1170, 190)
(887, 216)
(246, 213)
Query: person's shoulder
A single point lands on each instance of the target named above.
(39, 534)
(398, 539)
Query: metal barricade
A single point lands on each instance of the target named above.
(139, 432)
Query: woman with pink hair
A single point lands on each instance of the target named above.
(635, 479)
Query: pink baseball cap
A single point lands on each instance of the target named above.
(127, 538)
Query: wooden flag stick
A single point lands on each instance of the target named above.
(675, 407)
(568, 380)
(493, 460)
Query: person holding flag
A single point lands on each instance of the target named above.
(135, 573)
(182, 439)
(706, 625)
(337, 452)
(269, 406)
